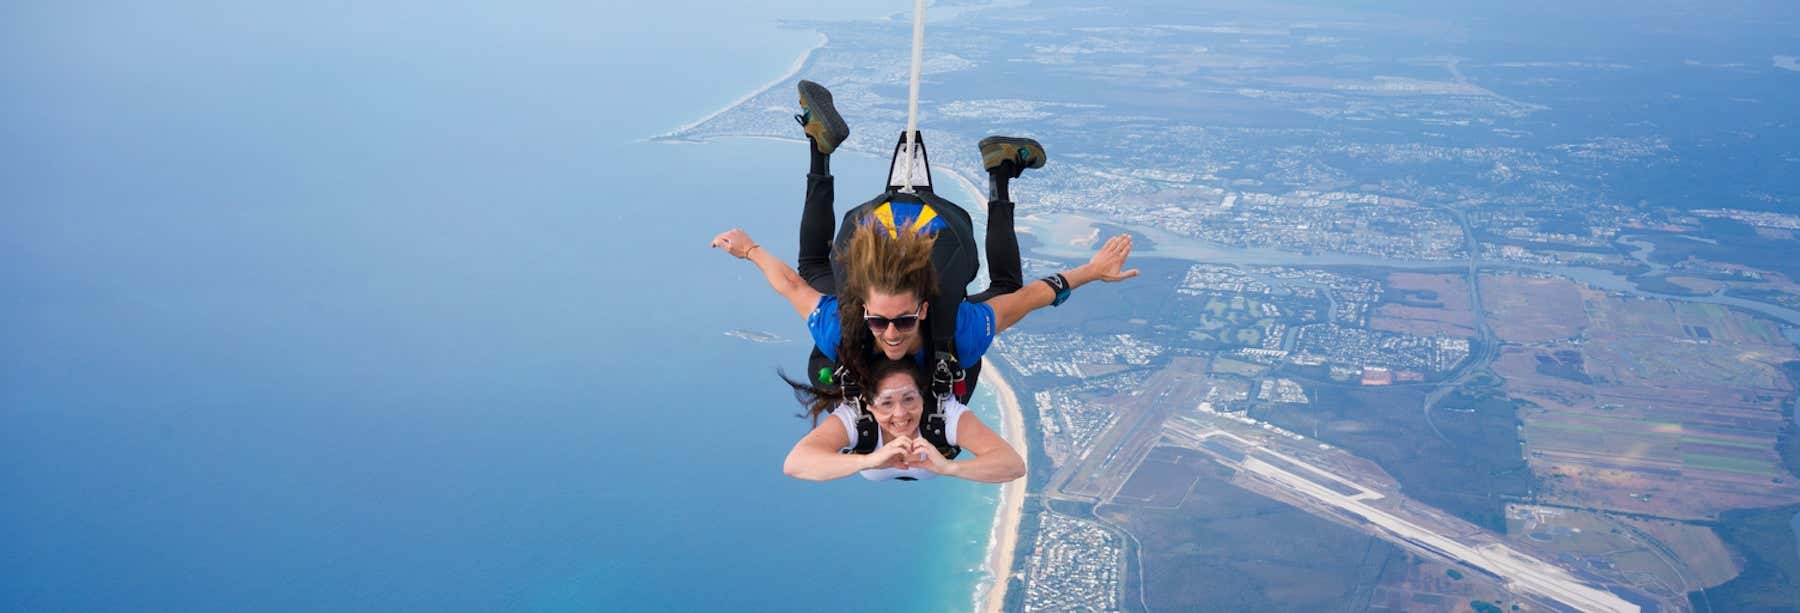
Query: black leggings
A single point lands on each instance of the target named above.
(818, 228)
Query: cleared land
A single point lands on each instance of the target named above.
(1529, 309)
(1426, 305)
(1698, 549)
(1162, 480)
(1235, 367)
(1429, 586)
(1618, 551)
(1696, 285)
(1659, 408)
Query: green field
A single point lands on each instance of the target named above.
(1698, 440)
(1731, 465)
(1765, 331)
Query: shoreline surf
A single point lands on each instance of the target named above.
(1004, 536)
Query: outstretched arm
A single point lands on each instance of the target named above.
(995, 461)
(1107, 265)
(781, 277)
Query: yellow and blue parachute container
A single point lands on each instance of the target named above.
(911, 216)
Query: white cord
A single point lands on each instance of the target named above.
(912, 99)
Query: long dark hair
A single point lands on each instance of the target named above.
(878, 260)
(816, 400)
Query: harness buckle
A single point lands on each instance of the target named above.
(948, 376)
(852, 391)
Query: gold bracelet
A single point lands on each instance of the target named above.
(752, 248)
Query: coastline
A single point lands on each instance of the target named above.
(793, 71)
(1004, 537)
(980, 196)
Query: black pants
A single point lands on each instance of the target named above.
(818, 228)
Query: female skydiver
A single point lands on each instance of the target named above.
(900, 451)
(889, 279)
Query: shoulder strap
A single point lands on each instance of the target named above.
(867, 433)
(956, 262)
(866, 429)
(932, 427)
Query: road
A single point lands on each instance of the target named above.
(1486, 345)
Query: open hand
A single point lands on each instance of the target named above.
(895, 454)
(735, 242)
(1107, 263)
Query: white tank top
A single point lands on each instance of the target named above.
(846, 415)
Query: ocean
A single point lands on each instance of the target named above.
(333, 307)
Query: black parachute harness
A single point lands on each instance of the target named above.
(932, 425)
(954, 259)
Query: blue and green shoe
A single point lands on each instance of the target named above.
(820, 119)
(1022, 153)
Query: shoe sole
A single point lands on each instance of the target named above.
(1007, 146)
(817, 101)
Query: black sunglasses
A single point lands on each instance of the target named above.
(903, 323)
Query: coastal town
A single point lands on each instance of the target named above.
(1074, 566)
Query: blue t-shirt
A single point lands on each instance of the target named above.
(974, 329)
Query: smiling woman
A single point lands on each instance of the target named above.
(887, 278)
(888, 434)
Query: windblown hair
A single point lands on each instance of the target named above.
(876, 260)
(818, 400)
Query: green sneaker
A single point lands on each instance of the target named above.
(820, 119)
(1023, 153)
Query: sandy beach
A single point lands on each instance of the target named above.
(793, 71)
(1005, 535)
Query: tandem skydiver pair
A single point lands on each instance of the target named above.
(897, 341)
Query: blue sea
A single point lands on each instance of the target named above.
(338, 307)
